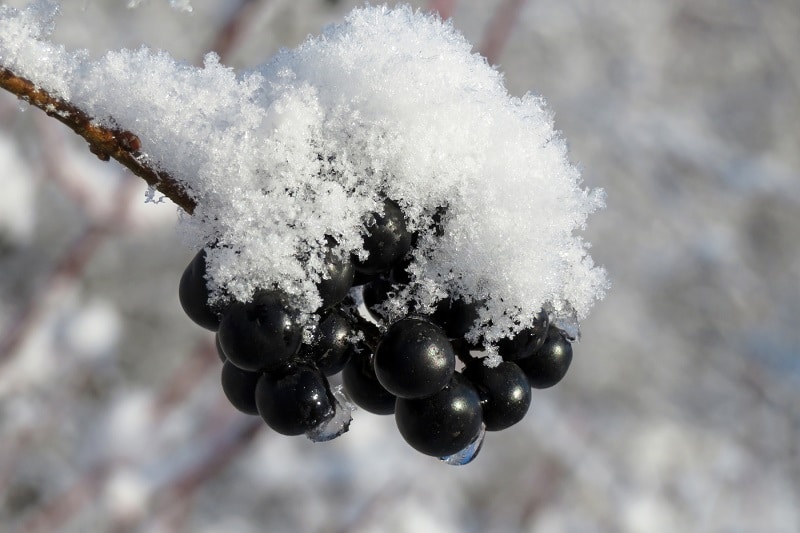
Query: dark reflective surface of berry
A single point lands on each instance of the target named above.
(387, 240)
(332, 347)
(504, 391)
(193, 294)
(375, 293)
(338, 278)
(220, 351)
(294, 401)
(444, 423)
(239, 387)
(455, 316)
(414, 358)
(363, 387)
(550, 363)
(263, 334)
(527, 341)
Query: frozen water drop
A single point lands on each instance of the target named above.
(569, 324)
(469, 453)
(339, 423)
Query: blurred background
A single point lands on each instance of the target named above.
(681, 411)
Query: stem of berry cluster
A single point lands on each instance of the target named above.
(105, 143)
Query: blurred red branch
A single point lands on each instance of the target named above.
(445, 8)
(499, 29)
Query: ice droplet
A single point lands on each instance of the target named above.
(570, 325)
(339, 423)
(469, 453)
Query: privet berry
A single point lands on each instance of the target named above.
(193, 294)
(550, 363)
(387, 240)
(263, 334)
(239, 387)
(338, 278)
(294, 400)
(455, 316)
(332, 343)
(414, 358)
(444, 423)
(362, 385)
(527, 341)
(504, 391)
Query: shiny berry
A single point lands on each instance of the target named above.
(263, 334)
(239, 387)
(455, 316)
(504, 391)
(414, 358)
(527, 341)
(387, 240)
(363, 387)
(337, 279)
(332, 343)
(193, 294)
(444, 423)
(376, 293)
(294, 401)
(550, 363)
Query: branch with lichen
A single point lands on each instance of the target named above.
(105, 143)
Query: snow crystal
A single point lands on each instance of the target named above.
(389, 103)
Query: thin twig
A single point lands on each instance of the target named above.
(230, 33)
(105, 143)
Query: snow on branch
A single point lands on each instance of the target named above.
(105, 143)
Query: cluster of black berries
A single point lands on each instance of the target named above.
(409, 367)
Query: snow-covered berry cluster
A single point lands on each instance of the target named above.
(420, 367)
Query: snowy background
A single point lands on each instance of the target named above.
(680, 411)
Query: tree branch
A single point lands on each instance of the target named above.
(105, 143)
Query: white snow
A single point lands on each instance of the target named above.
(389, 103)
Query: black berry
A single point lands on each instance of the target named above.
(294, 401)
(387, 240)
(338, 278)
(504, 391)
(332, 342)
(363, 387)
(239, 387)
(376, 293)
(444, 423)
(414, 358)
(220, 351)
(456, 317)
(527, 341)
(262, 334)
(550, 363)
(193, 294)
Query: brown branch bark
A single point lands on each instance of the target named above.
(105, 143)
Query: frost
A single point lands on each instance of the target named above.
(389, 103)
